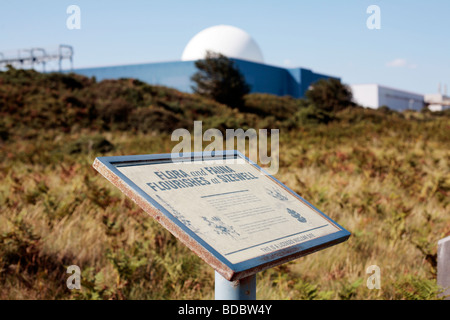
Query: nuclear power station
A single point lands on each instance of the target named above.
(230, 41)
(246, 54)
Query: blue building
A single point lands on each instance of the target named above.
(262, 78)
(230, 41)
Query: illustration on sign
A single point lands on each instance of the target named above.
(220, 228)
(296, 215)
(274, 192)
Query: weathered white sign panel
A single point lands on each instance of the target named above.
(224, 208)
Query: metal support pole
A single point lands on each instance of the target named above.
(443, 267)
(242, 289)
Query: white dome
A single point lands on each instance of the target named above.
(227, 40)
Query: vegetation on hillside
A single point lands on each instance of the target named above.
(383, 175)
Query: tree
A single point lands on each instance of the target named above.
(330, 95)
(218, 78)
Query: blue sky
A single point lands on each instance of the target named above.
(411, 51)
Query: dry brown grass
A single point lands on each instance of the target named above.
(388, 186)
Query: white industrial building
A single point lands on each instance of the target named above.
(374, 96)
(437, 101)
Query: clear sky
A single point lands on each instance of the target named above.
(411, 51)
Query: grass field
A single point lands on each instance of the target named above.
(383, 176)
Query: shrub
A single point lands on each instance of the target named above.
(330, 95)
(312, 115)
(155, 118)
(263, 104)
(219, 79)
(86, 144)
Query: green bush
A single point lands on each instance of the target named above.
(218, 78)
(330, 95)
(87, 144)
(264, 105)
(312, 115)
(155, 118)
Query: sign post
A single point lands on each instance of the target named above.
(227, 210)
(242, 289)
(443, 267)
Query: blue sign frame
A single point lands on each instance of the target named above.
(107, 166)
